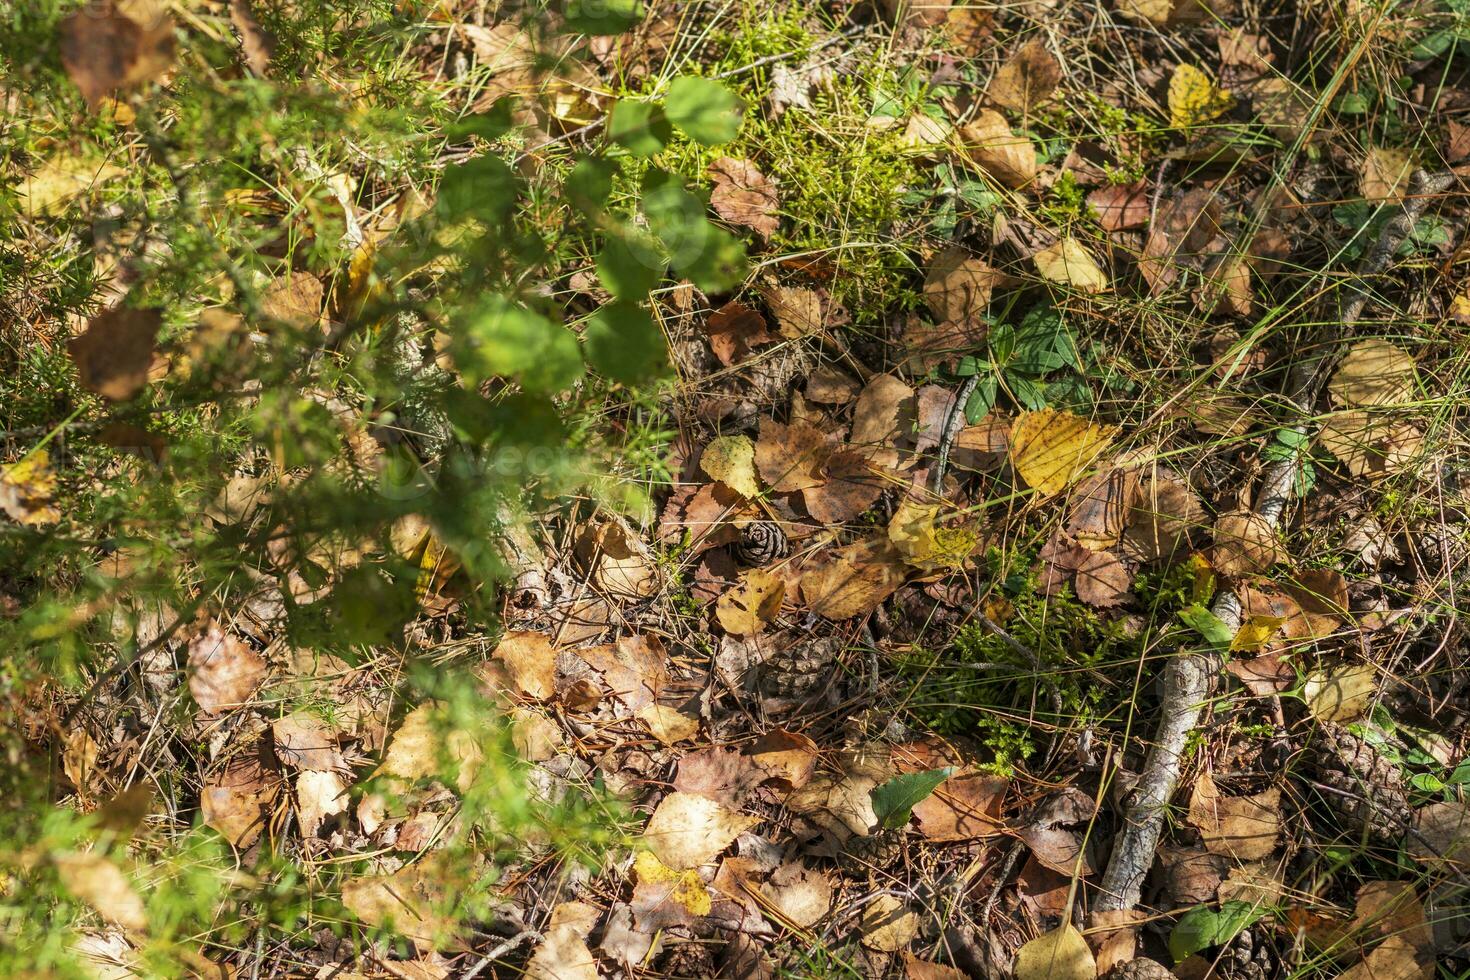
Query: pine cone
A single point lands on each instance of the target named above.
(761, 542)
(1142, 968)
(862, 855)
(799, 672)
(1249, 956)
(1363, 788)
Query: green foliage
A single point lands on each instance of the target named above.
(1022, 359)
(1204, 927)
(894, 800)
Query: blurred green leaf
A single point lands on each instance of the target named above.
(624, 344)
(600, 17)
(484, 188)
(704, 109)
(630, 263)
(641, 128)
(500, 337)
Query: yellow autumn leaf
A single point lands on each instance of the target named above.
(1061, 954)
(751, 603)
(926, 544)
(731, 460)
(1051, 449)
(1068, 262)
(1195, 99)
(26, 490)
(1340, 694)
(52, 186)
(1254, 633)
(688, 890)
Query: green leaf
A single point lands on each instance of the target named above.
(711, 257)
(590, 183)
(501, 338)
(1207, 625)
(624, 344)
(895, 800)
(704, 109)
(1202, 928)
(982, 399)
(599, 17)
(491, 124)
(483, 188)
(1043, 343)
(1461, 775)
(630, 263)
(1026, 391)
(718, 263)
(639, 127)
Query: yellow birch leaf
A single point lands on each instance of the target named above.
(1068, 262)
(1195, 99)
(731, 460)
(1061, 954)
(1051, 449)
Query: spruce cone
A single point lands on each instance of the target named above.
(878, 851)
(800, 672)
(1142, 968)
(1363, 788)
(1249, 956)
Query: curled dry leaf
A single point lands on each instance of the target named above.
(988, 141)
(1245, 544)
(224, 671)
(888, 925)
(634, 669)
(1341, 693)
(958, 285)
(791, 457)
(734, 330)
(855, 579)
(922, 133)
(1026, 80)
(1067, 261)
(687, 831)
(1051, 449)
(1373, 374)
(115, 353)
(1242, 827)
(731, 460)
(744, 196)
(751, 605)
(1371, 446)
(1062, 954)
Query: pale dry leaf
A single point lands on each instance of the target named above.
(305, 741)
(841, 803)
(1342, 693)
(1026, 80)
(1102, 580)
(100, 883)
(1051, 449)
(296, 299)
(958, 285)
(687, 831)
(830, 385)
(115, 353)
(984, 446)
(1281, 106)
(987, 140)
(752, 604)
(668, 725)
(1371, 446)
(1242, 827)
(788, 756)
(791, 457)
(744, 196)
(1245, 544)
(1155, 12)
(235, 800)
(423, 747)
(922, 133)
(888, 925)
(535, 736)
(530, 660)
(855, 580)
(731, 460)
(797, 309)
(320, 795)
(52, 186)
(1384, 174)
(257, 44)
(224, 671)
(1062, 954)
(1396, 958)
(1162, 517)
(1256, 883)
(1373, 374)
(1067, 261)
(800, 894)
(1263, 676)
(1441, 835)
(415, 901)
(620, 564)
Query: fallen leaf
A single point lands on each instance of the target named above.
(1441, 835)
(1245, 544)
(787, 756)
(634, 669)
(320, 795)
(830, 385)
(1051, 449)
(1281, 105)
(100, 883)
(1242, 827)
(415, 901)
(1067, 261)
(752, 604)
(1061, 954)
(734, 330)
(1387, 909)
(855, 579)
(687, 831)
(1155, 12)
(1371, 446)
(1195, 99)
(841, 802)
(1098, 509)
(1384, 175)
(1026, 79)
(1340, 694)
(928, 345)
(1192, 875)
(658, 883)
(104, 50)
(224, 672)
(235, 800)
(731, 460)
(801, 895)
(797, 309)
(1264, 675)
(424, 746)
(984, 446)
(926, 544)
(963, 807)
(1102, 581)
(27, 488)
(850, 486)
(304, 741)
(258, 44)
(888, 925)
(667, 724)
(917, 969)
(744, 196)
(530, 659)
(114, 354)
(52, 186)
(922, 132)
(1254, 884)
(296, 299)
(958, 285)
(1121, 206)
(563, 954)
(1373, 374)
(791, 457)
(720, 773)
(988, 141)
(620, 564)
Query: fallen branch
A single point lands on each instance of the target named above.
(1191, 675)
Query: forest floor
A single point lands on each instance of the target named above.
(1043, 560)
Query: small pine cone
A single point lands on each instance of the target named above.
(878, 851)
(1249, 956)
(800, 671)
(1363, 788)
(1142, 968)
(761, 542)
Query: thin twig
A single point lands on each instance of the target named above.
(952, 430)
(1190, 676)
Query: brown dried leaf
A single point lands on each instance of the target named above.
(1373, 374)
(1242, 827)
(530, 660)
(224, 671)
(1164, 514)
(888, 925)
(1121, 206)
(787, 756)
(297, 299)
(734, 330)
(855, 579)
(1103, 581)
(801, 895)
(305, 741)
(1245, 544)
(1099, 506)
(830, 385)
(797, 309)
(988, 141)
(258, 44)
(235, 800)
(114, 355)
(931, 344)
(100, 883)
(791, 457)
(720, 773)
(744, 196)
(958, 285)
(104, 50)
(1372, 447)
(1067, 261)
(886, 411)
(1384, 175)
(1026, 80)
(850, 487)
(415, 901)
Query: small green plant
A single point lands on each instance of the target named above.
(1024, 363)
